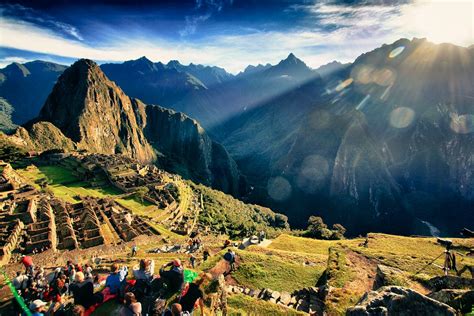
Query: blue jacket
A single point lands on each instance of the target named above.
(115, 280)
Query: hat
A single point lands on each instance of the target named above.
(177, 263)
(36, 304)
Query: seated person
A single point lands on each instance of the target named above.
(145, 270)
(116, 278)
(132, 307)
(193, 294)
(82, 291)
(173, 277)
(38, 308)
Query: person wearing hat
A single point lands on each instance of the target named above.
(193, 295)
(174, 276)
(38, 307)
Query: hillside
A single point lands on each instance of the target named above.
(87, 111)
(26, 87)
(368, 144)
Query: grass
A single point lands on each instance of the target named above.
(411, 254)
(310, 246)
(240, 304)
(257, 271)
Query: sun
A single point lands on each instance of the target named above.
(441, 21)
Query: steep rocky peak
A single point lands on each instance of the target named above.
(16, 70)
(292, 60)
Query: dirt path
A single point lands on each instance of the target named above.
(365, 271)
(222, 267)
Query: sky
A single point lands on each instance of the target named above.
(227, 33)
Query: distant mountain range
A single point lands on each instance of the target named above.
(382, 144)
(87, 111)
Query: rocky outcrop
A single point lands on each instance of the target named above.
(388, 276)
(394, 300)
(43, 136)
(94, 113)
(449, 282)
(461, 300)
(189, 151)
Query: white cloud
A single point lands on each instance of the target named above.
(361, 29)
(11, 59)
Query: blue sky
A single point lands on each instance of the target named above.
(228, 33)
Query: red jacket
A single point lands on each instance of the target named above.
(27, 261)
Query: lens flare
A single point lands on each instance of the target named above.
(341, 86)
(313, 172)
(384, 77)
(462, 124)
(402, 117)
(397, 51)
(279, 188)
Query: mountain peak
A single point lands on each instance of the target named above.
(292, 59)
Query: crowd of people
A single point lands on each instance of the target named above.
(70, 290)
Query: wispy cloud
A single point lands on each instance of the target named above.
(204, 10)
(34, 17)
(12, 59)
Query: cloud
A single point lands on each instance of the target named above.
(5, 61)
(205, 9)
(19, 12)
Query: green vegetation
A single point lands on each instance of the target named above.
(240, 304)
(6, 110)
(234, 218)
(309, 246)
(318, 229)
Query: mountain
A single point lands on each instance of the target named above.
(26, 87)
(192, 153)
(331, 68)
(248, 90)
(208, 75)
(383, 144)
(152, 82)
(6, 110)
(86, 110)
(93, 112)
(251, 69)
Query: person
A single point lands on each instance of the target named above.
(58, 288)
(173, 277)
(134, 250)
(205, 255)
(87, 271)
(82, 291)
(229, 256)
(144, 275)
(193, 294)
(116, 278)
(132, 306)
(192, 259)
(226, 243)
(175, 310)
(28, 263)
(38, 307)
(78, 310)
(261, 237)
(145, 270)
(20, 281)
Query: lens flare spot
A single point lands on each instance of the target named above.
(279, 188)
(363, 74)
(341, 86)
(397, 51)
(402, 117)
(462, 124)
(384, 77)
(313, 172)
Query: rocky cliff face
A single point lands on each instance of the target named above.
(189, 151)
(381, 144)
(93, 112)
(26, 87)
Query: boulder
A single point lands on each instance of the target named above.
(400, 301)
(388, 276)
(461, 300)
(449, 282)
(285, 298)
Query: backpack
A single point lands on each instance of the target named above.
(228, 257)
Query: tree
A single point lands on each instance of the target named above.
(317, 228)
(141, 192)
(338, 231)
